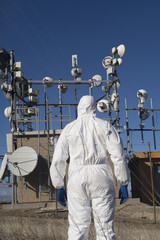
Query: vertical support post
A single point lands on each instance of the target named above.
(108, 96)
(153, 125)
(127, 126)
(45, 107)
(48, 127)
(13, 125)
(75, 93)
(60, 102)
(152, 184)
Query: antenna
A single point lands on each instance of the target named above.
(3, 167)
(23, 161)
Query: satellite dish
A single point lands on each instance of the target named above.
(103, 106)
(97, 79)
(7, 112)
(121, 50)
(3, 167)
(23, 161)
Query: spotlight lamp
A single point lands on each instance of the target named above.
(63, 88)
(97, 80)
(47, 81)
(76, 72)
(144, 114)
(103, 106)
(142, 96)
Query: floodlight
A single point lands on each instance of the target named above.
(33, 99)
(142, 95)
(97, 80)
(144, 114)
(63, 88)
(76, 72)
(115, 101)
(47, 81)
(33, 92)
(103, 106)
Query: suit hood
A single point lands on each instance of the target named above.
(87, 105)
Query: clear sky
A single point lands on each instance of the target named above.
(45, 34)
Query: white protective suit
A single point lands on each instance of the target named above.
(88, 141)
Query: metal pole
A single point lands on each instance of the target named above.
(60, 102)
(75, 93)
(13, 126)
(154, 137)
(49, 180)
(152, 184)
(45, 107)
(127, 126)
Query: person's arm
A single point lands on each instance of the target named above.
(116, 151)
(58, 165)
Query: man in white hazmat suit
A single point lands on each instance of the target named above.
(88, 141)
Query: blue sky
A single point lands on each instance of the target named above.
(45, 34)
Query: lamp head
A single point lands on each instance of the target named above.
(142, 95)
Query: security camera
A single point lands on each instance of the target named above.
(142, 96)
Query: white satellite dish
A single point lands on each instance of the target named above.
(121, 50)
(97, 79)
(23, 161)
(7, 112)
(3, 166)
(103, 106)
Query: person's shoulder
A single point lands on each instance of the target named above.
(102, 122)
(69, 126)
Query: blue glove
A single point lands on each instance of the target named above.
(123, 193)
(61, 196)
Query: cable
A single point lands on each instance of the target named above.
(16, 28)
(50, 33)
(36, 33)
